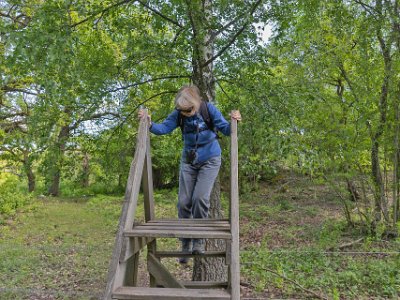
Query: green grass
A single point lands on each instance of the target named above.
(60, 248)
(289, 249)
(350, 276)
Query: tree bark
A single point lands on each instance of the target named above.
(206, 269)
(394, 13)
(86, 170)
(212, 269)
(354, 194)
(27, 163)
(380, 199)
(396, 153)
(31, 180)
(377, 178)
(55, 170)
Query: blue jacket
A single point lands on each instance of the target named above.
(207, 143)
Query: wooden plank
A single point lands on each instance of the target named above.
(147, 183)
(131, 270)
(138, 162)
(116, 271)
(183, 228)
(205, 284)
(169, 294)
(161, 273)
(151, 249)
(177, 233)
(180, 254)
(234, 215)
(149, 212)
(180, 225)
(228, 258)
(196, 221)
(138, 245)
(142, 242)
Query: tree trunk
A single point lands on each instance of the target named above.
(120, 183)
(29, 172)
(31, 180)
(353, 191)
(54, 188)
(377, 178)
(396, 153)
(212, 269)
(55, 170)
(394, 13)
(380, 199)
(86, 170)
(200, 12)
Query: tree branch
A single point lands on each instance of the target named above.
(15, 155)
(16, 18)
(235, 36)
(10, 127)
(147, 81)
(101, 12)
(134, 110)
(18, 114)
(297, 284)
(158, 13)
(225, 47)
(93, 117)
(370, 9)
(226, 26)
(347, 79)
(236, 102)
(7, 89)
(347, 245)
(177, 34)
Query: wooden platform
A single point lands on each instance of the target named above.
(191, 228)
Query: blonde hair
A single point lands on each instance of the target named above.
(188, 97)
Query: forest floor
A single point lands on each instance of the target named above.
(290, 236)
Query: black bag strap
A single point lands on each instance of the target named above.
(206, 116)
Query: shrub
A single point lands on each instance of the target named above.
(11, 198)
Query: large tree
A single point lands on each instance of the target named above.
(182, 41)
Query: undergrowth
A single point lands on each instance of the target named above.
(289, 247)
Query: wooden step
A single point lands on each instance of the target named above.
(182, 228)
(205, 284)
(190, 221)
(144, 293)
(180, 254)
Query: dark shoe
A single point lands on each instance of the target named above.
(198, 247)
(186, 245)
(183, 260)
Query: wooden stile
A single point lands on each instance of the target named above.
(132, 237)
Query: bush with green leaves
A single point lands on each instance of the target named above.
(11, 198)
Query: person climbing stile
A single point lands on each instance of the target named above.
(201, 155)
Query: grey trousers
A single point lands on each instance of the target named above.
(195, 184)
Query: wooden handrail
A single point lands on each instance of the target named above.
(129, 205)
(234, 213)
